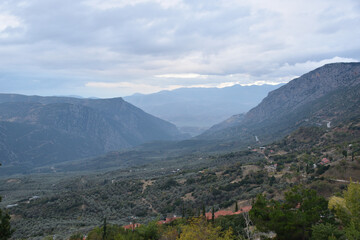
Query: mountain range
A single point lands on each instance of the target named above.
(306, 132)
(39, 131)
(326, 97)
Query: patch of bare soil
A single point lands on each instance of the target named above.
(188, 197)
(13, 180)
(249, 168)
(146, 184)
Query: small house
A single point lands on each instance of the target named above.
(324, 161)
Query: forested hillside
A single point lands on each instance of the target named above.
(188, 183)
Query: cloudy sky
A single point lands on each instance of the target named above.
(109, 48)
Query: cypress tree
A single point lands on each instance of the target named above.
(236, 207)
(212, 215)
(203, 210)
(5, 228)
(183, 211)
(104, 229)
(189, 212)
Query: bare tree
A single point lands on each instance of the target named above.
(248, 222)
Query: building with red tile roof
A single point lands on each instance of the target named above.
(324, 161)
(208, 216)
(132, 226)
(168, 220)
(227, 213)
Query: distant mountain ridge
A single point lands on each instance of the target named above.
(201, 107)
(298, 102)
(43, 130)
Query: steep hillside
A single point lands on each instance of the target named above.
(327, 94)
(189, 107)
(230, 122)
(305, 89)
(40, 130)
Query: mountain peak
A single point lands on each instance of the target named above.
(46, 130)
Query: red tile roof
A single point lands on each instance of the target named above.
(168, 220)
(228, 213)
(132, 226)
(324, 161)
(208, 216)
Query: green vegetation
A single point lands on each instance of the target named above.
(5, 228)
(77, 236)
(293, 218)
(192, 228)
(347, 209)
(184, 186)
(113, 233)
(303, 214)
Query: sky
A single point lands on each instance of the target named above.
(113, 48)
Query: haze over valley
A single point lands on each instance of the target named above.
(177, 120)
(188, 108)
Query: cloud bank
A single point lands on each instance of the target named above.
(114, 48)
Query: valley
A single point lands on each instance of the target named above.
(188, 108)
(163, 188)
(300, 135)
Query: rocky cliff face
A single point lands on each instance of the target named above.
(43, 130)
(307, 88)
(295, 103)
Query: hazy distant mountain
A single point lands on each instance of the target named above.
(42, 130)
(327, 94)
(201, 107)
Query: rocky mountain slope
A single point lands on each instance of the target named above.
(324, 95)
(42, 130)
(307, 88)
(230, 122)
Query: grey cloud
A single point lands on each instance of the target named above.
(66, 38)
(124, 29)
